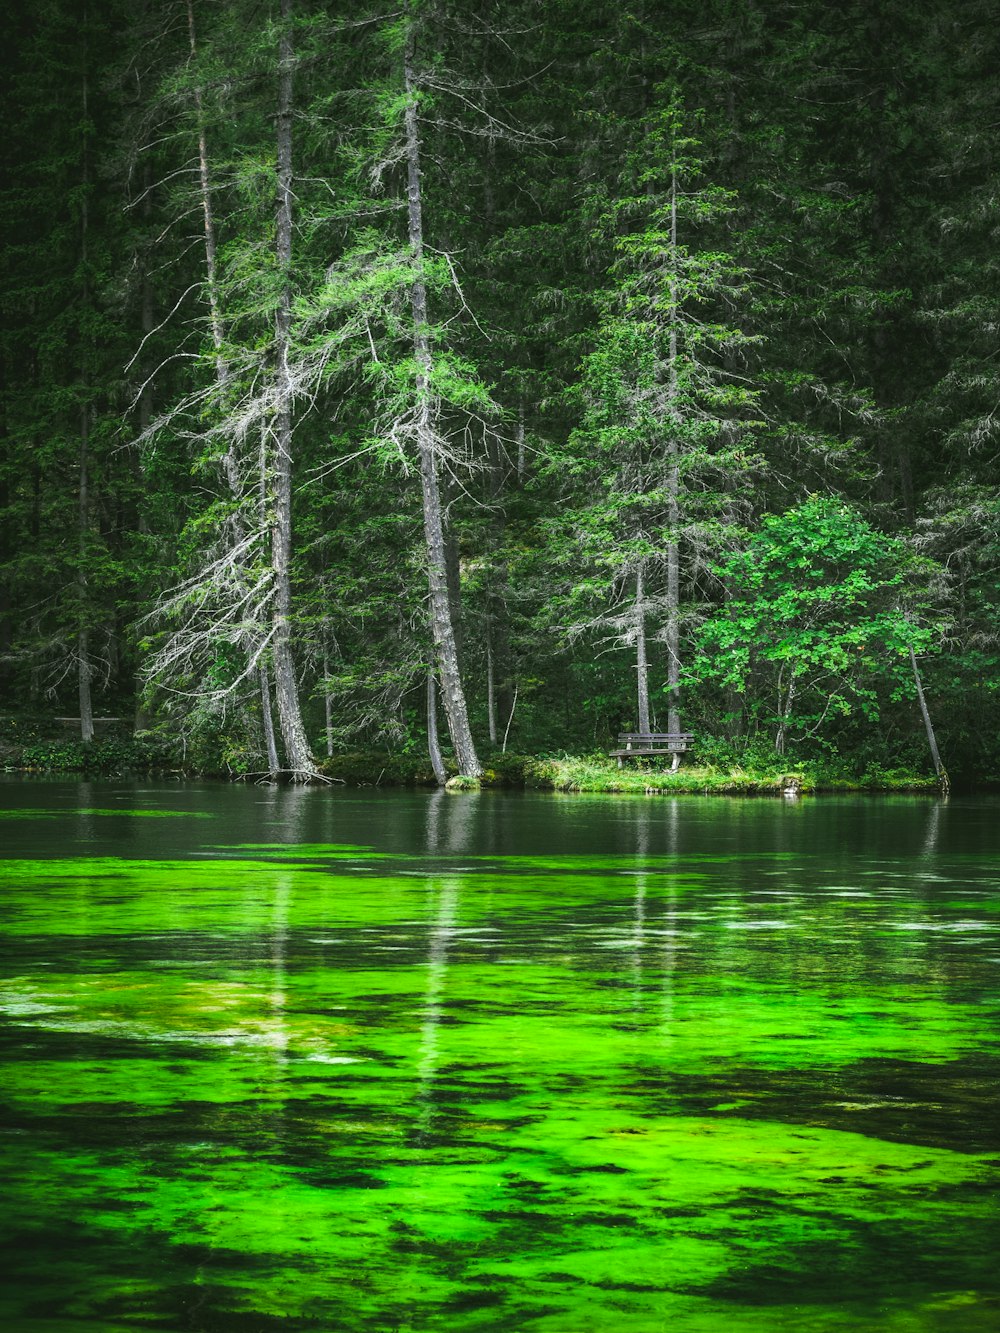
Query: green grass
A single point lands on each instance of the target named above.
(598, 773)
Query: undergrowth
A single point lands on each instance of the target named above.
(715, 769)
(114, 755)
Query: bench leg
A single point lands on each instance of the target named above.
(675, 763)
(620, 764)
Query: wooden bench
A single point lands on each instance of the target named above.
(636, 744)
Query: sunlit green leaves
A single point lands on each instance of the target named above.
(819, 617)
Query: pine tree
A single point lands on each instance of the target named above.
(661, 402)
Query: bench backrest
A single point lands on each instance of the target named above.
(651, 736)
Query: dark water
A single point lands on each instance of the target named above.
(365, 1061)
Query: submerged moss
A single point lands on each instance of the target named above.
(339, 1085)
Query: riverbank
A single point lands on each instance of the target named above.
(598, 773)
(118, 755)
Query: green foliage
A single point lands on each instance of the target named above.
(819, 618)
(675, 286)
(765, 776)
(136, 754)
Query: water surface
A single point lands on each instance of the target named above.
(365, 1061)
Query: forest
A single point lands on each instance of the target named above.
(451, 380)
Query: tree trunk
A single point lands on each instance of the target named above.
(229, 462)
(491, 702)
(83, 630)
(641, 661)
(208, 220)
(454, 565)
(433, 744)
(6, 535)
(146, 395)
(521, 446)
(499, 685)
(327, 704)
(83, 512)
(442, 626)
(939, 767)
(503, 673)
(267, 720)
(293, 733)
(892, 446)
(673, 497)
(784, 716)
(510, 719)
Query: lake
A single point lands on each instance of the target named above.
(415, 1062)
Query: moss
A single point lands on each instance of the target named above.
(726, 1088)
(463, 782)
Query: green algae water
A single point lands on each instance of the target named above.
(360, 1060)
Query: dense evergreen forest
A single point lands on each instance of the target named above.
(513, 374)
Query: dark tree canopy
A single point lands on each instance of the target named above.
(357, 365)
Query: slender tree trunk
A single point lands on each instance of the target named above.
(510, 719)
(140, 720)
(442, 626)
(229, 462)
(496, 621)
(785, 715)
(208, 217)
(327, 704)
(454, 566)
(270, 743)
(892, 446)
(939, 767)
(83, 631)
(433, 744)
(673, 499)
(641, 660)
(6, 536)
(298, 758)
(230, 465)
(502, 655)
(83, 512)
(499, 685)
(208, 223)
(293, 732)
(146, 316)
(491, 702)
(521, 445)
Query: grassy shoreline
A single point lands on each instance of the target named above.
(597, 774)
(118, 756)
